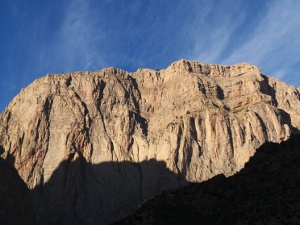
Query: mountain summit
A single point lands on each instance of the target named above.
(92, 146)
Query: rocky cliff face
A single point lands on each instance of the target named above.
(86, 136)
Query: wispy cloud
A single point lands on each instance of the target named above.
(74, 46)
(267, 36)
(274, 44)
(213, 30)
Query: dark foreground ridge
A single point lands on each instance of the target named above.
(266, 191)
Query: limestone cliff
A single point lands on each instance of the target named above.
(193, 120)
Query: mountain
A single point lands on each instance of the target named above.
(266, 191)
(92, 146)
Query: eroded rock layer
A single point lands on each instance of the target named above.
(88, 135)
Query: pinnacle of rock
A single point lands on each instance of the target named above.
(152, 129)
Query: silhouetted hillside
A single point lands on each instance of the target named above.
(266, 191)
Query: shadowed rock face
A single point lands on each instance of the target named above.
(81, 193)
(15, 203)
(266, 191)
(200, 120)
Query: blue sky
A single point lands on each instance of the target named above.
(55, 36)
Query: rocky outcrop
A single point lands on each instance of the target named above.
(199, 119)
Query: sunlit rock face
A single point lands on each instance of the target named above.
(150, 130)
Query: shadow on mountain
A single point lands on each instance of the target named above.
(266, 191)
(267, 89)
(285, 118)
(81, 193)
(15, 204)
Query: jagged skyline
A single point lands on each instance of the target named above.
(63, 36)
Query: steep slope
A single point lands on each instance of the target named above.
(266, 191)
(199, 119)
